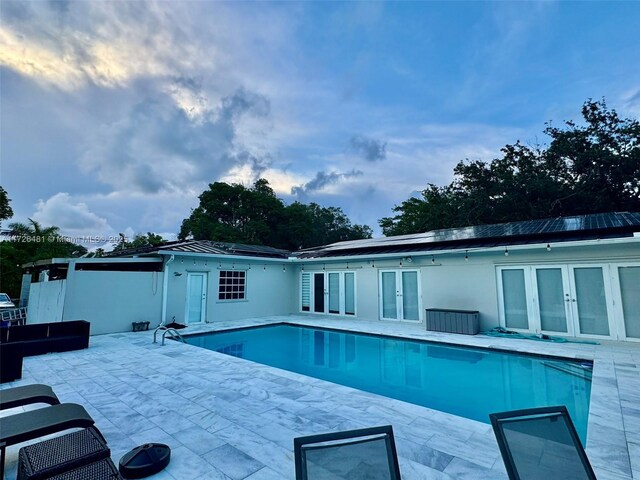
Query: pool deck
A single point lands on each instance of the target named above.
(229, 418)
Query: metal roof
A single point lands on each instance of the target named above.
(205, 247)
(552, 230)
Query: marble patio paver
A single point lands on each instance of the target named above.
(228, 418)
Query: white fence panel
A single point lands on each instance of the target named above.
(46, 301)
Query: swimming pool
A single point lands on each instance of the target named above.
(469, 382)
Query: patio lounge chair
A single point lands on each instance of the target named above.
(364, 453)
(26, 395)
(540, 444)
(25, 426)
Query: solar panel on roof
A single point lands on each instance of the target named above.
(582, 227)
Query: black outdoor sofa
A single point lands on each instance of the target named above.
(20, 341)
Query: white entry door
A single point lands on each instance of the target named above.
(196, 297)
(400, 295)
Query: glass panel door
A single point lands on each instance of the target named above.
(590, 301)
(334, 292)
(350, 293)
(630, 293)
(553, 299)
(514, 299)
(329, 292)
(410, 307)
(400, 295)
(573, 300)
(389, 295)
(196, 297)
(318, 292)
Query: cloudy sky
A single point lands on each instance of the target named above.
(115, 116)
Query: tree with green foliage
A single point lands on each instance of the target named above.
(255, 215)
(235, 213)
(310, 225)
(29, 243)
(139, 240)
(589, 168)
(5, 209)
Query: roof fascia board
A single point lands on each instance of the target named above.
(49, 261)
(54, 261)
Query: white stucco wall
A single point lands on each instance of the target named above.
(270, 290)
(111, 301)
(454, 283)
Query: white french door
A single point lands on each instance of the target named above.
(591, 304)
(400, 295)
(196, 297)
(573, 300)
(552, 299)
(328, 292)
(627, 299)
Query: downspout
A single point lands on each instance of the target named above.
(165, 286)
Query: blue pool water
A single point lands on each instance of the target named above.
(468, 382)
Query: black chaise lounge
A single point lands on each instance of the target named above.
(541, 444)
(26, 395)
(25, 426)
(364, 453)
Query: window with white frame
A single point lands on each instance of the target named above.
(232, 285)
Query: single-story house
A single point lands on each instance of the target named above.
(574, 276)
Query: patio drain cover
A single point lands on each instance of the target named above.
(145, 460)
